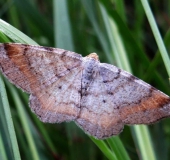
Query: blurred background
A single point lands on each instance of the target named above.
(120, 33)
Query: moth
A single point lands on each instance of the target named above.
(64, 86)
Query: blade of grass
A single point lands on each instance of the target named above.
(8, 117)
(4, 132)
(90, 7)
(40, 126)
(3, 38)
(152, 66)
(2, 149)
(138, 24)
(116, 44)
(121, 9)
(33, 16)
(144, 142)
(118, 148)
(15, 34)
(104, 148)
(24, 148)
(156, 60)
(63, 37)
(157, 35)
(24, 121)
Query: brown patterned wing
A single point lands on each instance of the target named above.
(137, 101)
(52, 77)
(34, 68)
(115, 98)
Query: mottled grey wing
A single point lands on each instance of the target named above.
(115, 98)
(52, 77)
(61, 100)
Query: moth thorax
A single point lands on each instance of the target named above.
(94, 56)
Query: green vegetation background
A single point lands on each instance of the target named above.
(123, 33)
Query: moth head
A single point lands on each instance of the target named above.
(94, 56)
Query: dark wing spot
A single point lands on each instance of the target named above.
(48, 49)
(110, 93)
(63, 54)
(25, 50)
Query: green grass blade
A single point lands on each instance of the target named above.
(116, 43)
(3, 155)
(14, 34)
(63, 36)
(91, 10)
(104, 148)
(8, 117)
(38, 21)
(4, 133)
(121, 9)
(40, 126)
(24, 122)
(4, 38)
(157, 35)
(144, 142)
(118, 148)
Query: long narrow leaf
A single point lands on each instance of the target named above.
(15, 34)
(8, 116)
(157, 35)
